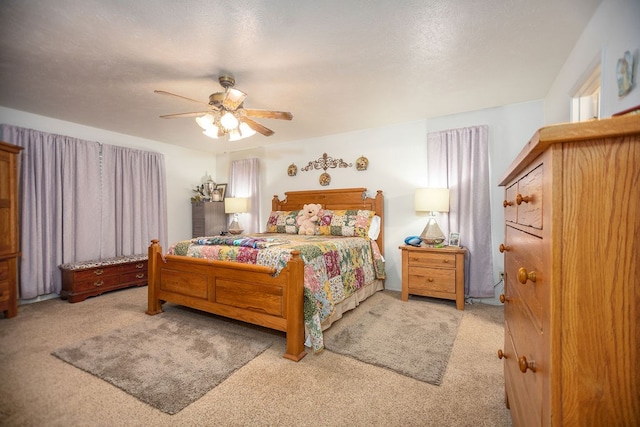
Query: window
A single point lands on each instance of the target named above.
(585, 104)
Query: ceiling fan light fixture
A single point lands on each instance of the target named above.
(235, 135)
(212, 132)
(229, 121)
(206, 121)
(233, 99)
(246, 130)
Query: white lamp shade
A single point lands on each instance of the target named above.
(234, 205)
(431, 200)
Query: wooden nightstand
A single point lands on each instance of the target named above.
(433, 272)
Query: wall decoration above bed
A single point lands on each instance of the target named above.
(325, 162)
(362, 163)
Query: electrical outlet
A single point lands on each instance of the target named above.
(501, 274)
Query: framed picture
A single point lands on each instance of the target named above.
(454, 239)
(222, 188)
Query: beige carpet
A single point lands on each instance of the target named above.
(169, 360)
(38, 389)
(396, 335)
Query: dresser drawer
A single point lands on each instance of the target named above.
(134, 267)
(134, 276)
(97, 272)
(530, 198)
(4, 289)
(523, 199)
(524, 390)
(432, 259)
(525, 256)
(432, 279)
(95, 283)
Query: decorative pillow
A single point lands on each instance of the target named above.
(283, 222)
(350, 222)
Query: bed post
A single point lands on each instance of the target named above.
(295, 308)
(153, 303)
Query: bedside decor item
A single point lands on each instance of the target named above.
(222, 189)
(292, 170)
(432, 200)
(362, 163)
(209, 188)
(454, 239)
(236, 205)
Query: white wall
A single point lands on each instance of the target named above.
(613, 29)
(397, 158)
(184, 168)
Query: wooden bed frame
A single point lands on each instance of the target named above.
(245, 292)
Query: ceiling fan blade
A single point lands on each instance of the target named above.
(257, 126)
(181, 115)
(266, 114)
(233, 98)
(162, 92)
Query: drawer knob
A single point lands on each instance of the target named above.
(140, 265)
(503, 298)
(504, 248)
(520, 198)
(430, 279)
(506, 203)
(139, 275)
(98, 283)
(524, 365)
(501, 354)
(446, 261)
(98, 272)
(524, 275)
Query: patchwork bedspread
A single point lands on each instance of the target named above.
(335, 267)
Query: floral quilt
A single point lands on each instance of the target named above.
(335, 267)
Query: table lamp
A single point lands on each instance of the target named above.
(235, 205)
(432, 200)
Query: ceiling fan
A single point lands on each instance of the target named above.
(225, 113)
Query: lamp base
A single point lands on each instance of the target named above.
(234, 227)
(432, 234)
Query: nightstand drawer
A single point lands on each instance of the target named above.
(432, 259)
(433, 279)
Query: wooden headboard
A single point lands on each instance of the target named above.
(344, 198)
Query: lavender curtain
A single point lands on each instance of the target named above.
(134, 208)
(67, 211)
(244, 182)
(459, 159)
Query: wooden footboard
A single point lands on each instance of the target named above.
(249, 293)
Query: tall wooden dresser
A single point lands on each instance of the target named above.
(572, 285)
(9, 235)
(208, 219)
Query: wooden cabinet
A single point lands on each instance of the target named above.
(572, 288)
(9, 231)
(91, 278)
(208, 219)
(433, 272)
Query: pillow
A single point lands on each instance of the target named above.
(283, 222)
(374, 228)
(345, 222)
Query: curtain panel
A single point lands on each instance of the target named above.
(459, 159)
(244, 182)
(69, 207)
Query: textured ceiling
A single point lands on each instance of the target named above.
(338, 66)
